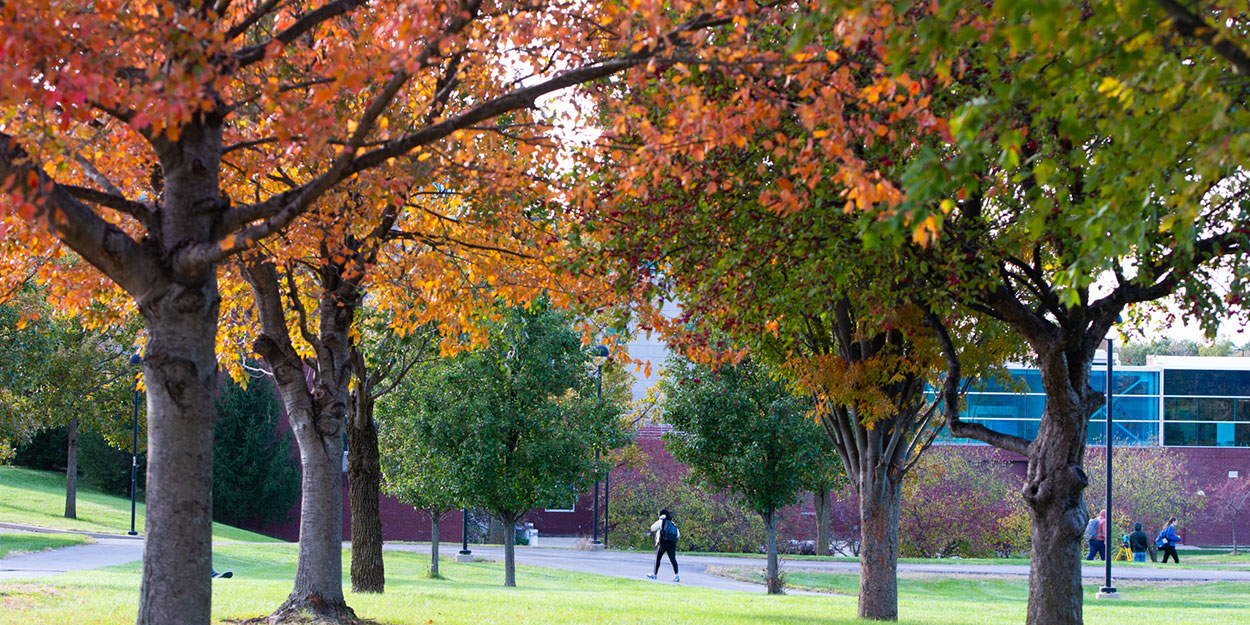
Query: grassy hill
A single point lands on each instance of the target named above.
(37, 498)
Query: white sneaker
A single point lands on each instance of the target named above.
(676, 578)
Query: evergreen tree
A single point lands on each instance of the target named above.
(254, 471)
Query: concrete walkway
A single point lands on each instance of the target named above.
(636, 564)
(110, 550)
(105, 552)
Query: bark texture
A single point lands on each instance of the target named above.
(364, 476)
(316, 400)
(772, 573)
(71, 470)
(1053, 489)
(823, 504)
(879, 500)
(180, 374)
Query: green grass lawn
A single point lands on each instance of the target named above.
(29, 497)
(15, 544)
(472, 594)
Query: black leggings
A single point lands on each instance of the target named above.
(669, 547)
(1169, 550)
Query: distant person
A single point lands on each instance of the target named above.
(1138, 543)
(666, 534)
(1098, 541)
(1167, 541)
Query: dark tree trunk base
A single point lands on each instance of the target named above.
(311, 609)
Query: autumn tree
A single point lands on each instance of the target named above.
(957, 502)
(742, 429)
(750, 220)
(1150, 485)
(1081, 180)
(145, 138)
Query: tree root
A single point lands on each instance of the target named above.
(310, 610)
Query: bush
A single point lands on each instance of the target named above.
(957, 504)
(708, 521)
(1150, 484)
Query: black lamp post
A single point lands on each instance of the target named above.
(135, 359)
(465, 554)
(1107, 590)
(599, 354)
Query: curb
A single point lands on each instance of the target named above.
(48, 530)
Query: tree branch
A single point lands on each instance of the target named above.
(138, 210)
(281, 209)
(950, 395)
(255, 16)
(256, 53)
(101, 243)
(1189, 24)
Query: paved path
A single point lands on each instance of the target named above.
(634, 564)
(105, 552)
(110, 550)
(629, 564)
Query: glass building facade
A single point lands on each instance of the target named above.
(1175, 402)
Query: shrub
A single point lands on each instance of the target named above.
(955, 503)
(1149, 485)
(708, 521)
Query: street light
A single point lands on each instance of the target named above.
(135, 359)
(465, 555)
(599, 355)
(1108, 591)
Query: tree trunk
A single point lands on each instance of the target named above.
(509, 550)
(435, 517)
(71, 470)
(1055, 594)
(363, 486)
(1053, 489)
(823, 503)
(180, 374)
(318, 584)
(879, 499)
(317, 420)
(772, 576)
(1234, 526)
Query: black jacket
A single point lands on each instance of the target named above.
(1137, 541)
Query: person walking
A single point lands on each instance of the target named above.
(1098, 542)
(1167, 541)
(1138, 543)
(666, 535)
